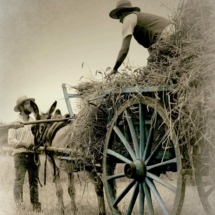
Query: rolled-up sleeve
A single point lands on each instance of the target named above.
(12, 140)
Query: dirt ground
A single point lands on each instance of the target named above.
(86, 198)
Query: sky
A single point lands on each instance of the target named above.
(46, 43)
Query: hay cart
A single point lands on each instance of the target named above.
(143, 153)
(140, 146)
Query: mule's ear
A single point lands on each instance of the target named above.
(36, 110)
(57, 114)
(52, 108)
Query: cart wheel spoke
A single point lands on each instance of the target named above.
(141, 200)
(142, 131)
(118, 156)
(161, 181)
(211, 190)
(149, 142)
(157, 196)
(174, 160)
(133, 133)
(206, 183)
(133, 199)
(148, 199)
(125, 142)
(111, 177)
(124, 192)
(156, 150)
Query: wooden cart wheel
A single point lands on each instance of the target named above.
(141, 141)
(204, 170)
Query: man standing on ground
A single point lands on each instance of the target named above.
(146, 28)
(22, 141)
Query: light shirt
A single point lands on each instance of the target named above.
(24, 134)
(128, 25)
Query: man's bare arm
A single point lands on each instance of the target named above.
(122, 54)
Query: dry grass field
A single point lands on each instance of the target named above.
(86, 198)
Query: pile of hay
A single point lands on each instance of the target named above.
(186, 58)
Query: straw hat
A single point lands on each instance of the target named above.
(20, 101)
(120, 6)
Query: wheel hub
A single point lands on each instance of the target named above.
(135, 170)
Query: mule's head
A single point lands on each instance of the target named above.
(40, 130)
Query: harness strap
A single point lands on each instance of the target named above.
(54, 129)
(46, 130)
(54, 166)
(39, 182)
(45, 165)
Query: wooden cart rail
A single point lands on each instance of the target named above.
(64, 153)
(58, 150)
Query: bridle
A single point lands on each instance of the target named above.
(40, 137)
(40, 140)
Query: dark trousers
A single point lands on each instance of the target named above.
(26, 162)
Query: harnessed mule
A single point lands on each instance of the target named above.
(60, 138)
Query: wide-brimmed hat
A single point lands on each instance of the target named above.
(20, 101)
(120, 6)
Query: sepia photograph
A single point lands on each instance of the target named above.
(107, 107)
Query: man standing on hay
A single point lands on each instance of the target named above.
(22, 141)
(146, 28)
